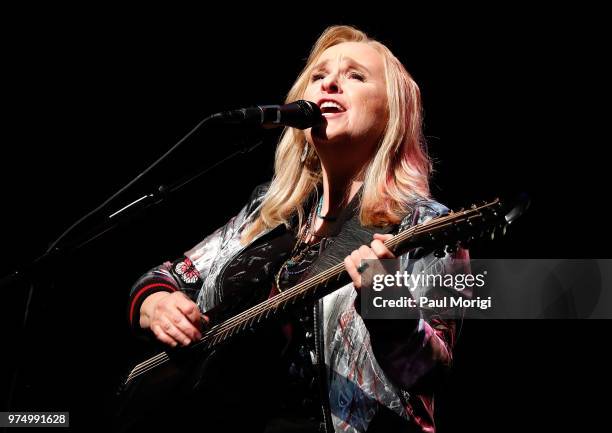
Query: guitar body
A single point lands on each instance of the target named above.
(237, 381)
(179, 375)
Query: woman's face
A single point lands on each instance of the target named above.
(348, 83)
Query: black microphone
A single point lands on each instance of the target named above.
(299, 114)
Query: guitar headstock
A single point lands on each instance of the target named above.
(461, 227)
(488, 219)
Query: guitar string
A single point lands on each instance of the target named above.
(220, 332)
(293, 293)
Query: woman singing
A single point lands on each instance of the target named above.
(338, 192)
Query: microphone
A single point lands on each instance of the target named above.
(299, 114)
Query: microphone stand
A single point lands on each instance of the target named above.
(60, 251)
(299, 114)
(120, 217)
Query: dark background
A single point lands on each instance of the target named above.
(512, 103)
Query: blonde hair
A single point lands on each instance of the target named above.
(397, 174)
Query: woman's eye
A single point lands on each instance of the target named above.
(316, 77)
(357, 76)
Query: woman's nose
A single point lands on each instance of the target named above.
(331, 84)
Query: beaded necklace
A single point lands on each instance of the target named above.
(302, 247)
(326, 218)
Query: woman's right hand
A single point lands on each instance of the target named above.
(172, 317)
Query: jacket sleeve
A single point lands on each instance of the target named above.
(188, 272)
(415, 352)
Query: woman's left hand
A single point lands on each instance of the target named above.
(376, 250)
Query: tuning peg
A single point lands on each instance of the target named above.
(504, 229)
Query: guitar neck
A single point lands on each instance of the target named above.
(333, 278)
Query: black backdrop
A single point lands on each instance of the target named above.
(92, 97)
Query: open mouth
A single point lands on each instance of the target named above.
(331, 108)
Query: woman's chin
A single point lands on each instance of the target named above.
(329, 132)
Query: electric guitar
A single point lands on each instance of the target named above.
(180, 369)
